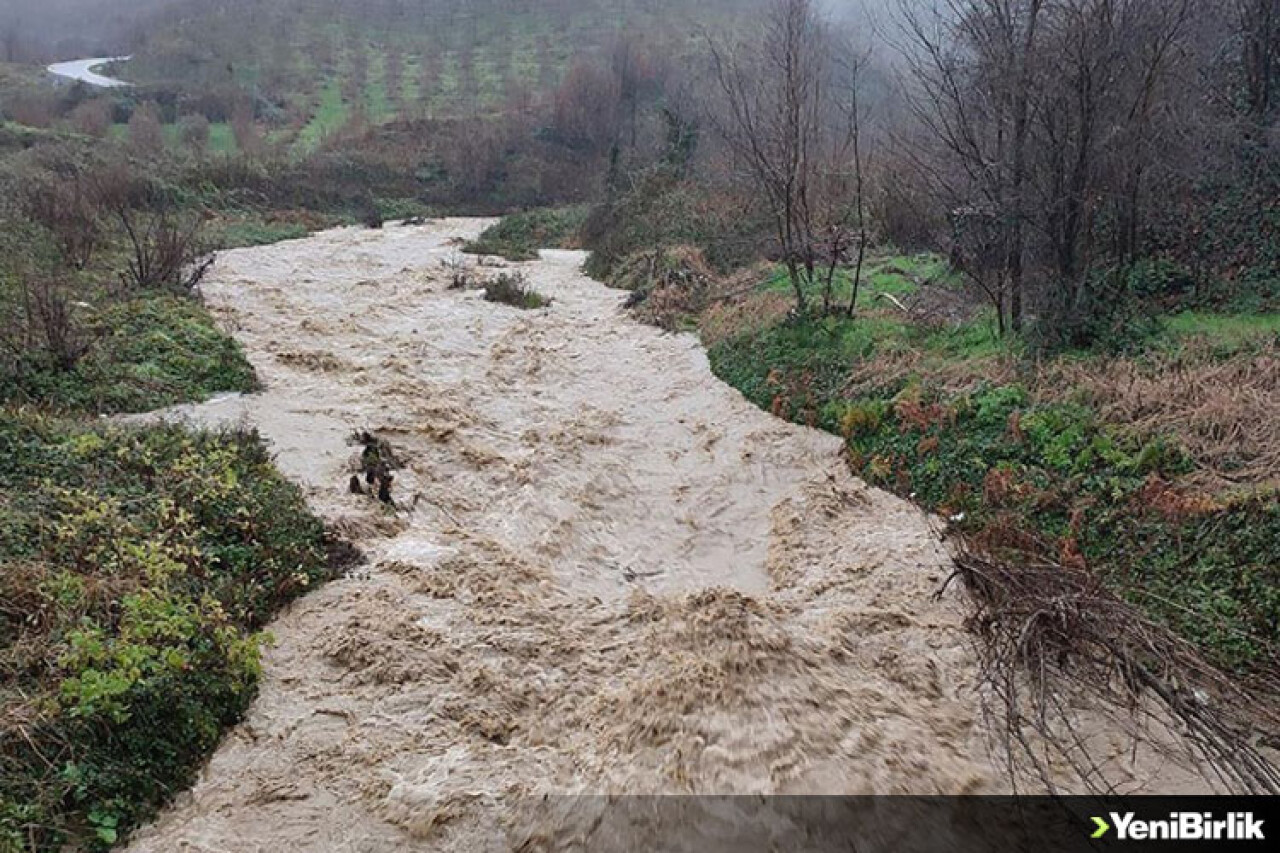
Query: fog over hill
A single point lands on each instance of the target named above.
(67, 29)
(36, 30)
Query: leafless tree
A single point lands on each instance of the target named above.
(166, 249)
(586, 107)
(783, 121)
(46, 325)
(854, 234)
(62, 204)
(1045, 119)
(1259, 24)
(972, 64)
(245, 130)
(195, 133)
(92, 118)
(146, 134)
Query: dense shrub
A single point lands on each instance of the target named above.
(662, 209)
(511, 289)
(137, 565)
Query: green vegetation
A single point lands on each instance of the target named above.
(1226, 332)
(511, 289)
(222, 140)
(139, 565)
(329, 117)
(518, 237)
(397, 209)
(148, 352)
(1063, 458)
(1098, 388)
(238, 229)
(315, 75)
(1017, 468)
(898, 277)
(377, 99)
(255, 232)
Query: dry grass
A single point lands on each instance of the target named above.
(668, 285)
(740, 308)
(1225, 413)
(950, 376)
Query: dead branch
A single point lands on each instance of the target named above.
(1052, 634)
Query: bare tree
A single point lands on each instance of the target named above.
(586, 107)
(852, 232)
(781, 123)
(972, 66)
(195, 133)
(1259, 24)
(46, 326)
(61, 203)
(1044, 119)
(166, 249)
(1097, 118)
(245, 130)
(92, 117)
(10, 43)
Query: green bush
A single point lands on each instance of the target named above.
(399, 209)
(512, 290)
(254, 232)
(663, 208)
(149, 352)
(138, 565)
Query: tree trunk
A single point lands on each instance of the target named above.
(1018, 178)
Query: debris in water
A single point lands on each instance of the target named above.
(376, 462)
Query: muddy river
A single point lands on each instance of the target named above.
(608, 573)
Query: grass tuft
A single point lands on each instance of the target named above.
(511, 289)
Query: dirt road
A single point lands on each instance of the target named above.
(610, 574)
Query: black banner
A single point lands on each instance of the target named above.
(822, 824)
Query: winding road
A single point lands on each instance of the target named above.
(82, 70)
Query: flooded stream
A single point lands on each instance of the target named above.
(607, 573)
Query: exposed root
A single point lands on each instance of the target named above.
(1052, 635)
